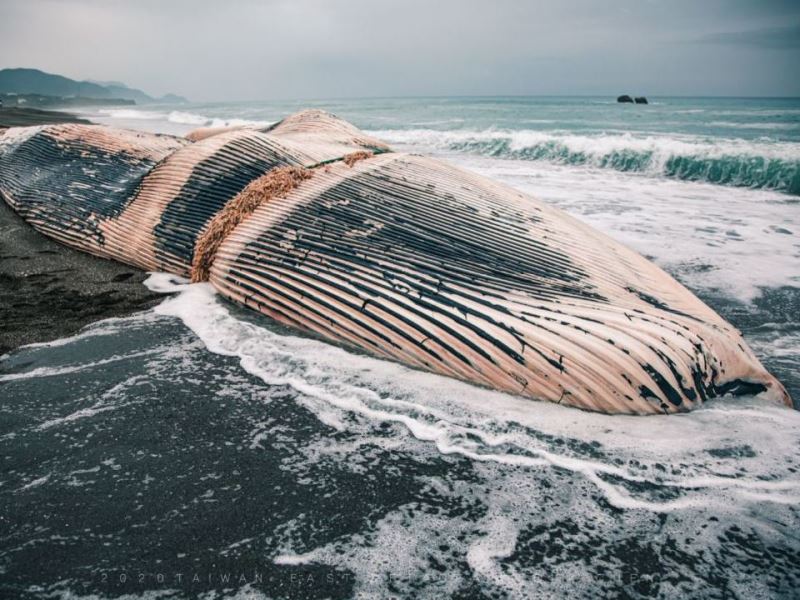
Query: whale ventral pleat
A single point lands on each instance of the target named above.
(275, 184)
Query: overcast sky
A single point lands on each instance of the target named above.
(284, 49)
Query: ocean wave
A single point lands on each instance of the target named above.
(187, 118)
(131, 113)
(180, 118)
(756, 164)
(755, 125)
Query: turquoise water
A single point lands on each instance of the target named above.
(200, 450)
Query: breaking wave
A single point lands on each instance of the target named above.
(178, 117)
(755, 164)
(131, 113)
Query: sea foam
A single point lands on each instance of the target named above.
(602, 477)
(487, 426)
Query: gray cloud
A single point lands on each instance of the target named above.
(273, 49)
(769, 37)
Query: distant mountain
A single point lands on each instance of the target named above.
(173, 99)
(120, 90)
(106, 83)
(34, 81)
(126, 93)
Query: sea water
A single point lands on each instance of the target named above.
(200, 449)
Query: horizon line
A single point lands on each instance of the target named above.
(443, 96)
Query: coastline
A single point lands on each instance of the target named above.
(25, 117)
(49, 291)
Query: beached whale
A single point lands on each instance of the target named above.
(325, 229)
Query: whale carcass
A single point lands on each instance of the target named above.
(323, 228)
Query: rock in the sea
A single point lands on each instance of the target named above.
(628, 99)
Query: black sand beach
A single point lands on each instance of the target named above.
(47, 290)
(24, 117)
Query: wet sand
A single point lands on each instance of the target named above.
(47, 290)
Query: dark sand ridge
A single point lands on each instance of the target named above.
(48, 291)
(23, 117)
